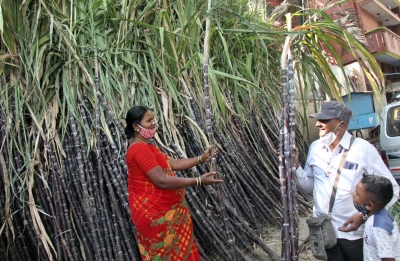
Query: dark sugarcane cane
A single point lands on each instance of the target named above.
(122, 223)
(227, 225)
(98, 158)
(250, 180)
(42, 200)
(208, 225)
(256, 193)
(187, 135)
(203, 255)
(245, 165)
(112, 173)
(288, 158)
(285, 214)
(230, 161)
(86, 201)
(2, 220)
(244, 245)
(195, 201)
(67, 209)
(62, 192)
(286, 155)
(241, 201)
(252, 235)
(116, 178)
(291, 169)
(54, 210)
(22, 212)
(104, 218)
(15, 250)
(80, 224)
(265, 179)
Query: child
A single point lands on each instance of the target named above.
(381, 235)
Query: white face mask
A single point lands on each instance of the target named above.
(328, 138)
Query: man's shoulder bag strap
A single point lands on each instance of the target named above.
(338, 175)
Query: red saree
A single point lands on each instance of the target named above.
(162, 219)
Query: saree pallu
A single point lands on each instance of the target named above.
(163, 223)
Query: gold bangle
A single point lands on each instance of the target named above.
(199, 181)
(199, 159)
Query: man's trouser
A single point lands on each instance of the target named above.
(346, 250)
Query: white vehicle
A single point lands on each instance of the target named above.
(390, 137)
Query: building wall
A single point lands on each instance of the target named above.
(369, 21)
(386, 68)
(310, 132)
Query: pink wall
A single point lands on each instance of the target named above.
(369, 21)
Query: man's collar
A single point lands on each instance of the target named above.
(344, 142)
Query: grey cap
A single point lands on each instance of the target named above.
(333, 110)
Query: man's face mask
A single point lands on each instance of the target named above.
(328, 138)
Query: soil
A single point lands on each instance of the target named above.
(272, 238)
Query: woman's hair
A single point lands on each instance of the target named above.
(379, 188)
(134, 115)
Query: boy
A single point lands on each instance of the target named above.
(381, 235)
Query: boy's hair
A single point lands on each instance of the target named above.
(379, 188)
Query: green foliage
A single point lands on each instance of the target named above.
(395, 210)
(148, 53)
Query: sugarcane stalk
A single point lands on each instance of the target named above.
(86, 200)
(291, 169)
(286, 157)
(285, 214)
(227, 225)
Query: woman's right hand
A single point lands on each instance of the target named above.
(208, 179)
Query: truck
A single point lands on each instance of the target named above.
(390, 137)
(380, 124)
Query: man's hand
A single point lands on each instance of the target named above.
(352, 224)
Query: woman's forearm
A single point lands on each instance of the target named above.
(182, 164)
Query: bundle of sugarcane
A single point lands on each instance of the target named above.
(287, 144)
(69, 73)
(85, 214)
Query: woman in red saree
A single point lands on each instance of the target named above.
(156, 195)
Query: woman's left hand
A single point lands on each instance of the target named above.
(206, 156)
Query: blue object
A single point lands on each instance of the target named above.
(364, 114)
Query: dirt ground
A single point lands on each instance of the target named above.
(272, 238)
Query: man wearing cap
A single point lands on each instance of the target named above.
(319, 173)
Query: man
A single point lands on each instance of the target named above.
(320, 172)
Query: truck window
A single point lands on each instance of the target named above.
(393, 122)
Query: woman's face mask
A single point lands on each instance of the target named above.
(328, 138)
(147, 133)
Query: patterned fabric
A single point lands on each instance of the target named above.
(363, 211)
(381, 237)
(162, 219)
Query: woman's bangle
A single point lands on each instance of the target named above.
(199, 159)
(198, 181)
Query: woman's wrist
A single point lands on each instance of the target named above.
(198, 181)
(199, 159)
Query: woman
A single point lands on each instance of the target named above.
(156, 195)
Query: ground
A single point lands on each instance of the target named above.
(273, 240)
